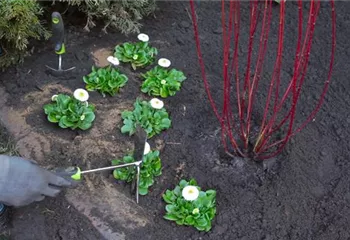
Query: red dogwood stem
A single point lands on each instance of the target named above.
(296, 92)
(265, 145)
(261, 55)
(299, 64)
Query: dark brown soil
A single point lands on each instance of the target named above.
(306, 196)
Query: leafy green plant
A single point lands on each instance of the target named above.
(69, 112)
(151, 119)
(139, 54)
(151, 167)
(19, 22)
(199, 211)
(105, 80)
(162, 82)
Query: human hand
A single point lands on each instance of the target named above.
(23, 182)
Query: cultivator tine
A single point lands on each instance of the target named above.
(75, 173)
(137, 182)
(140, 141)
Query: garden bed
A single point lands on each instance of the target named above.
(305, 195)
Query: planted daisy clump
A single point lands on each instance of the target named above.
(152, 116)
(161, 81)
(139, 54)
(188, 205)
(107, 80)
(151, 167)
(71, 112)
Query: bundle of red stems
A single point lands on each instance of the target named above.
(236, 128)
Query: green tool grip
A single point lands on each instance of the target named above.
(71, 172)
(58, 32)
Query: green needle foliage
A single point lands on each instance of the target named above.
(152, 120)
(19, 22)
(198, 213)
(123, 15)
(151, 167)
(162, 82)
(69, 112)
(105, 80)
(139, 54)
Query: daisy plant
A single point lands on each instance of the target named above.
(188, 205)
(107, 80)
(151, 167)
(139, 54)
(152, 116)
(161, 81)
(71, 112)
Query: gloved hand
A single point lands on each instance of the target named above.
(23, 182)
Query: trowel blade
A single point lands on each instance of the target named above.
(139, 143)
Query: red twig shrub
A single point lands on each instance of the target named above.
(240, 87)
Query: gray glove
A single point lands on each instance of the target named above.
(23, 182)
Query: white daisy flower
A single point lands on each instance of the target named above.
(156, 103)
(163, 62)
(143, 37)
(163, 82)
(147, 148)
(113, 60)
(81, 95)
(190, 193)
(54, 98)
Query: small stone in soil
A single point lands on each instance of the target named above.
(180, 41)
(77, 139)
(218, 30)
(185, 24)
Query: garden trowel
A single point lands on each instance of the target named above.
(140, 140)
(58, 38)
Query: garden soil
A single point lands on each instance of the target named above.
(304, 195)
